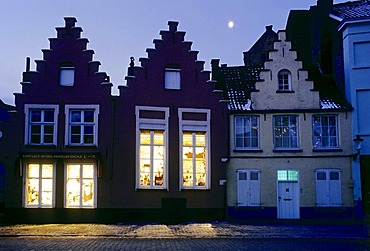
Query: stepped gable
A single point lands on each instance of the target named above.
(67, 49)
(170, 50)
(352, 10)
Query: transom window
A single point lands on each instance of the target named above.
(286, 132)
(172, 78)
(246, 132)
(284, 79)
(325, 131)
(80, 185)
(287, 175)
(67, 75)
(82, 125)
(39, 185)
(41, 124)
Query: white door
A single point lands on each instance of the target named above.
(249, 188)
(288, 200)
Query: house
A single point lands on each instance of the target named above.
(289, 153)
(170, 136)
(63, 145)
(354, 26)
(331, 38)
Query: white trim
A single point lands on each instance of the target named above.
(25, 183)
(67, 108)
(27, 108)
(206, 124)
(95, 180)
(154, 124)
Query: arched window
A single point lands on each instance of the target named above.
(284, 79)
(67, 74)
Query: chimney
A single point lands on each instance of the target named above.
(28, 62)
(173, 25)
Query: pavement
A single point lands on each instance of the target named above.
(190, 230)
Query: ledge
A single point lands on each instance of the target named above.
(296, 150)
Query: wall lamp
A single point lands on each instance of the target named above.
(358, 140)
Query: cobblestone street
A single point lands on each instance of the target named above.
(192, 236)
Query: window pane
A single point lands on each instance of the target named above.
(67, 76)
(88, 171)
(321, 176)
(243, 176)
(144, 137)
(172, 80)
(88, 192)
(35, 116)
(334, 175)
(33, 192)
(89, 116)
(158, 137)
(75, 116)
(282, 175)
(73, 171)
(49, 116)
(187, 139)
(254, 175)
(47, 171)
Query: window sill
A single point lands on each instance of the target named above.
(287, 150)
(327, 150)
(40, 146)
(246, 150)
(282, 91)
(83, 146)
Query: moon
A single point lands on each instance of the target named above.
(230, 24)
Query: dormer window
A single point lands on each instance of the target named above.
(67, 75)
(172, 78)
(284, 79)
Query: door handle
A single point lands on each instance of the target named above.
(287, 199)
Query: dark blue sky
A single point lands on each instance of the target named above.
(118, 29)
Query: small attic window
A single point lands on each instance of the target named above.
(67, 75)
(284, 79)
(172, 76)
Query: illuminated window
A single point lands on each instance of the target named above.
(172, 78)
(80, 185)
(67, 75)
(82, 125)
(246, 132)
(284, 80)
(194, 159)
(152, 147)
(286, 132)
(325, 131)
(194, 149)
(39, 185)
(287, 175)
(41, 124)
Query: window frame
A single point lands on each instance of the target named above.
(315, 139)
(284, 83)
(195, 126)
(27, 136)
(67, 72)
(169, 85)
(152, 124)
(293, 145)
(68, 124)
(26, 179)
(250, 138)
(95, 182)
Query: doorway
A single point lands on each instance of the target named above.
(288, 195)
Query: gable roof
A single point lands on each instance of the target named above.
(352, 10)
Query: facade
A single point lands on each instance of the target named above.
(153, 153)
(289, 157)
(62, 148)
(331, 39)
(354, 18)
(173, 136)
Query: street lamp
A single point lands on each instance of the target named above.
(358, 140)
